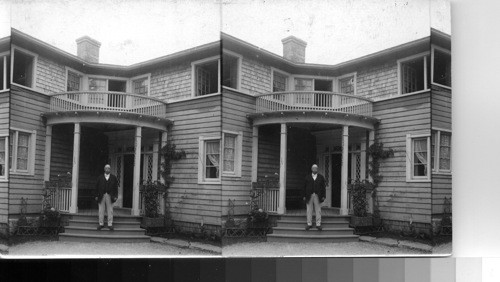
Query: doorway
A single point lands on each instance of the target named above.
(128, 180)
(336, 179)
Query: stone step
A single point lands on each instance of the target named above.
(302, 224)
(94, 223)
(116, 218)
(311, 238)
(302, 218)
(104, 231)
(313, 231)
(104, 238)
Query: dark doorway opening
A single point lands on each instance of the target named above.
(322, 99)
(336, 179)
(128, 180)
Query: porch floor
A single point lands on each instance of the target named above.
(324, 212)
(117, 211)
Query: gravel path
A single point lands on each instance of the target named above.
(265, 249)
(56, 248)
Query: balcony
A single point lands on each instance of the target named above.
(313, 107)
(107, 107)
(107, 102)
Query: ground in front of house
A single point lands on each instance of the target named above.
(57, 248)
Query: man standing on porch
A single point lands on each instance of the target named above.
(314, 195)
(106, 194)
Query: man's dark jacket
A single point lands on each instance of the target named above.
(109, 186)
(317, 186)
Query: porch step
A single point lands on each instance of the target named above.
(286, 238)
(68, 237)
(313, 231)
(302, 224)
(83, 228)
(324, 218)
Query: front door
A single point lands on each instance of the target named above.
(128, 180)
(336, 179)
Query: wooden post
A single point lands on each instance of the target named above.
(283, 152)
(343, 191)
(73, 208)
(137, 171)
(48, 152)
(255, 153)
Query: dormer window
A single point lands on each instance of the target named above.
(24, 68)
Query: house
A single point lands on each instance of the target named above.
(242, 115)
(280, 115)
(70, 114)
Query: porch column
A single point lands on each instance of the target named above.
(283, 151)
(73, 208)
(137, 171)
(48, 152)
(255, 152)
(343, 191)
(164, 137)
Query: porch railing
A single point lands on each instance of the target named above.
(61, 199)
(107, 101)
(268, 198)
(313, 101)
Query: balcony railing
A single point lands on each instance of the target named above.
(107, 101)
(313, 101)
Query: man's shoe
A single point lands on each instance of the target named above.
(111, 228)
(319, 227)
(308, 227)
(99, 227)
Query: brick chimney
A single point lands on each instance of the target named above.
(294, 49)
(88, 49)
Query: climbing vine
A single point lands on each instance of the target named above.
(377, 153)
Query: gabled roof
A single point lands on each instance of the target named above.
(28, 42)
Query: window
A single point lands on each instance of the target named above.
(206, 77)
(73, 82)
(232, 153)
(209, 160)
(418, 158)
(413, 74)
(441, 67)
(230, 70)
(4, 72)
(23, 73)
(21, 151)
(96, 84)
(441, 151)
(3, 155)
(140, 86)
(346, 85)
(279, 82)
(303, 84)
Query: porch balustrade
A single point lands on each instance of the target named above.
(313, 101)
(61, 199)
(268, 199)
(107, 101)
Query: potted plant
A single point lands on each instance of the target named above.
(357, 190)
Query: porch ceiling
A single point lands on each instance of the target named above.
(110, 121)
(314, 120)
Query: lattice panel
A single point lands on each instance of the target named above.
(358, 166)
(119, 169)
(149, 167)
(327, 170)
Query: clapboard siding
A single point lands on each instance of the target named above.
(255, 77)
(235, 107)
(441, 119)
(4, 130)
(188, 200)
(26, 107)
(400, 200)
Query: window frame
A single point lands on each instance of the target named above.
(440, 49)
(238, 153)
(5, 67)
(355, 78)
(131, 83)
(194, 64)
(35, 66)
(5, 177)
(201, 160)
(423, 56)
(83, 81)
(285, 74)
(31, 152)
(410, 177)
(239, 59)
(437, 151)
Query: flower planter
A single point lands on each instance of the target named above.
(361, 221)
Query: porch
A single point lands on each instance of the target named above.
(293, 130)
(120, 129)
